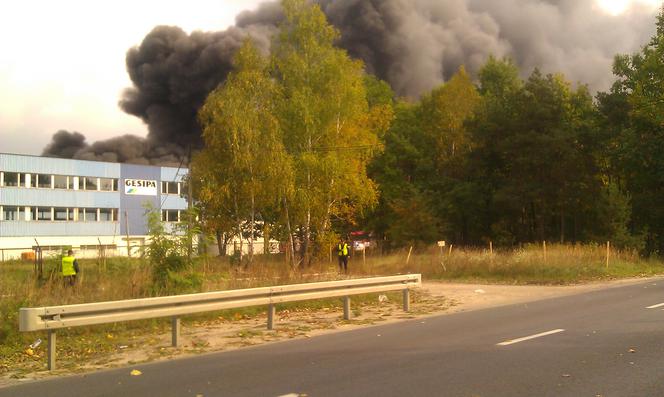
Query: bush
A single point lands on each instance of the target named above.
(170, 253)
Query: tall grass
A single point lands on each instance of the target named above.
(532, 264)
(123, 278)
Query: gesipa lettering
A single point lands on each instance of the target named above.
(140, 183)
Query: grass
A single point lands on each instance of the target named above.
(561, 264)
(122, 278)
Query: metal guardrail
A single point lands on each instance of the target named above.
(55, 317)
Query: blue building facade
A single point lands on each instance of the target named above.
(62, 202)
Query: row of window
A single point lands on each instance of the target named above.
(46, 181)
(58, 214)
(65, 214)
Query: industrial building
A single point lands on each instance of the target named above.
(92, 206)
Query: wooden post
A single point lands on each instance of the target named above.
(491, 247)
(544, 247)
(449, 253)
(408, 257)
(608, 253)
(364, 257)
(442, 261)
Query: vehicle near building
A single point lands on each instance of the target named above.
(362, 240)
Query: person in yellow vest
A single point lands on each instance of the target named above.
(343, 250)
(69, 268)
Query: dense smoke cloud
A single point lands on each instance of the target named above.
(121, 149)
(172, 74)
(413, 44)
(65, 144)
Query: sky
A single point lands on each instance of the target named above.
(62, 63)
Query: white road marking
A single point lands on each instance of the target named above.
(654, 306)
(289, 395)
(512, 341)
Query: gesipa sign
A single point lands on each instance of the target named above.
(140, 187)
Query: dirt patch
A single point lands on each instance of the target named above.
(222, 335)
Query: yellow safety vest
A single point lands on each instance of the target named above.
(68, 266)
(343, 249)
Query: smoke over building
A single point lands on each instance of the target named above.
(413, 44)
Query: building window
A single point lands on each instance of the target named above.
(28, 180)
(43, 213)
(11, 178)
(169, 187)
(170, 216)
(60, 214)
(73, 183)
(10, 213)
(108, 184)
(60, 182)
(43, 181)
(90, 214)
(71, 214)
(90, 183)
(107, 214)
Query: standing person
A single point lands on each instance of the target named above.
(69, 268)
(343, 251)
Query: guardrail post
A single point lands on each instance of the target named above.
(406, 300)
(346, 307)
(175, 331)
(271, 311)
(51, 349)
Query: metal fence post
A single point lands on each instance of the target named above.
(406, 300)
(346, 307)
(175, 331)
(51, 349)
(271, 311)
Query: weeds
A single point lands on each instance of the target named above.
(124, 278)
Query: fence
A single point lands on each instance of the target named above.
(82, 251)
(55, 317)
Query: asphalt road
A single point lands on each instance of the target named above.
(603, 343)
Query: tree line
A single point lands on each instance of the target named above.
(303, 146)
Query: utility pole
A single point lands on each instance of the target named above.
(127, 233)
(190, 205)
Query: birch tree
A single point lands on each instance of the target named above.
(243, 151)
(325, 120)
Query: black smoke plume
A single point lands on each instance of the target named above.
(413, 44)
(120, 149)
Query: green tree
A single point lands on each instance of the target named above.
(639, 152)
(243, 161)
(216, 212)
(323, 113)
(422, 171)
